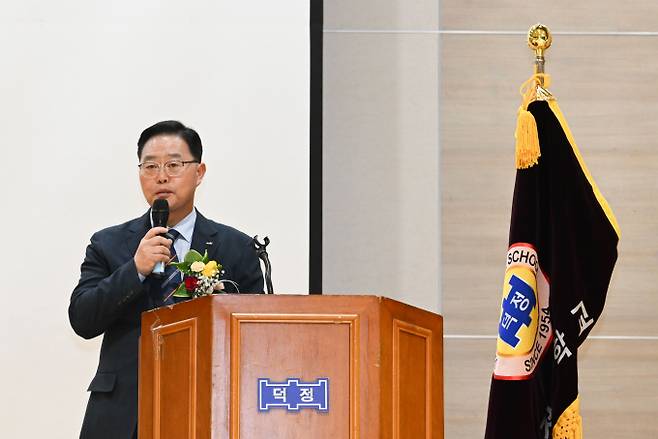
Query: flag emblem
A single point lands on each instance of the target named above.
(524, 328)
(517, 328)
(518, 319)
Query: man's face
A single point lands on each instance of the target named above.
(178, 190)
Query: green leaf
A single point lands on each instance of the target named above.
(193, 256)
(205, 257)
(181, 291)
(182, 266)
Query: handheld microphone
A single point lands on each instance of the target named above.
(160, 215)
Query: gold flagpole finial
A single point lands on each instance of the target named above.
(534, 89)
(539, 40)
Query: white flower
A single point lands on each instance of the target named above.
(197, 266)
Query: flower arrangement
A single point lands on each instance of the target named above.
(201, 277)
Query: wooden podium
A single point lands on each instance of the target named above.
(210, 368)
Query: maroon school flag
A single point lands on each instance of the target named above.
(562, 249)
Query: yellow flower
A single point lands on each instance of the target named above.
(197, 266)
(210, 269)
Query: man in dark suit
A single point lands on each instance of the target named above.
(116, 281)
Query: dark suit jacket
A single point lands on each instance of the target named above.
(110, 298)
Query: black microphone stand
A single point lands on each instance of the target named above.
(261, 251)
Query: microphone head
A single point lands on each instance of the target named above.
(160, 213)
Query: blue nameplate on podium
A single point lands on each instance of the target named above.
(293, 394)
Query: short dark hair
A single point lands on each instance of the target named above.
(176, 128)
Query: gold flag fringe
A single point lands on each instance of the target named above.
(569, 425)
(527, 138)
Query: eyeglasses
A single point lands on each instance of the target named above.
(173, 168)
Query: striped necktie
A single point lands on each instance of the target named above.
(164, 285)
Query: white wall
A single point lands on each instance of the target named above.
(79, 80)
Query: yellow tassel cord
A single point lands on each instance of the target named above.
(527, 138)
(569, 425)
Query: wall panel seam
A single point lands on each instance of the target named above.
(489, 32)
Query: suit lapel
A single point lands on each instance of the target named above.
(204, 236)
(137, 229)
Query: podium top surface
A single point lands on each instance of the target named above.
(342, 302)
